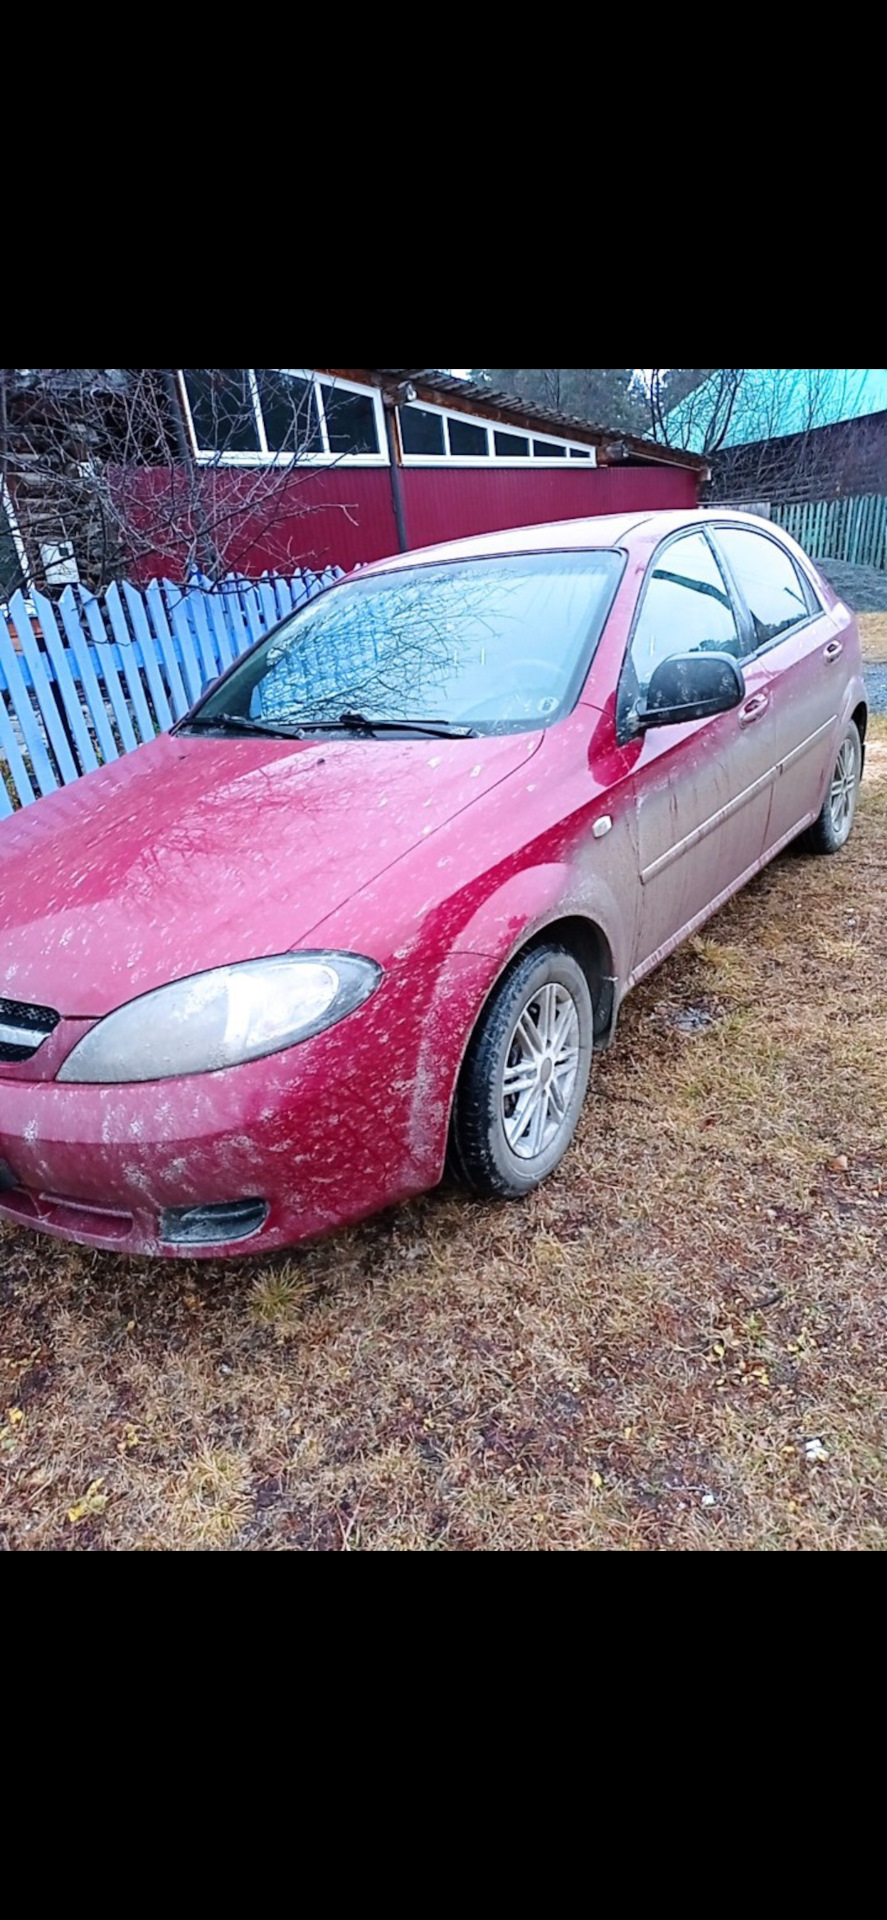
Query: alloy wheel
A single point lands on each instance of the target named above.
(540, 1071)
(843, 790)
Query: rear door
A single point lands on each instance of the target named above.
(797, 667)
(701, 789)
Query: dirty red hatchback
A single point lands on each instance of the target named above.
(380, 896)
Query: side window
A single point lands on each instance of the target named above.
(767, 575)
(686, 609)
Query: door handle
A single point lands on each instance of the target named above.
(833, 651)
(754, 709)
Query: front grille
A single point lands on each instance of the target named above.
(23, 1029)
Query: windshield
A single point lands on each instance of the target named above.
(488, 646)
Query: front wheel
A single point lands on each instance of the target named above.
(832, 830)
(525, 1075)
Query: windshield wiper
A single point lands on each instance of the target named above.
(221, 722)
(364, 723)
(346, 723)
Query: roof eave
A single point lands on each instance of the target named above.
(508, 409)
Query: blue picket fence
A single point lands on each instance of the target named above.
(84, 680)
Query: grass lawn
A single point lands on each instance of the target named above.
(680, 1342)
(873, 628)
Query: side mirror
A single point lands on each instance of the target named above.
(691, 686)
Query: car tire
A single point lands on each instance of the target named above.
(525, 1075)
(831, 831)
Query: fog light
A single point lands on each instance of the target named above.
(224, 1220)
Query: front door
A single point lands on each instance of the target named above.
(701, 790)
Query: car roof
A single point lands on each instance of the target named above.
(558, 536)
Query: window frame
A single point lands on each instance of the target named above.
(744, 629)
(265, 456)
(815, 607)
(491, 458)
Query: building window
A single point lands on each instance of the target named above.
(431, 434)
(467, 440)
(223, 410)
(422, 432)
(350, 422)
(290, 412)
(251, 415)
(511, 446)
(13, 565)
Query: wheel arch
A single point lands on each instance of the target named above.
(471, 1153)
(588, 943)
(540, 903)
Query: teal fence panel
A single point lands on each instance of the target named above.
(86, 679)
(853, 529)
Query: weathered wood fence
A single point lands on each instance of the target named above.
(84, 680)
(853, 529)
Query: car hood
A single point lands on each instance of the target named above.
(197, 851)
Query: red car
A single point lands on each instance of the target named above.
(380, 896)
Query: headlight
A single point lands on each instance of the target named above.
(219, 1019)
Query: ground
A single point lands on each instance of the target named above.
(865, 589)
(873, 627)
(679, 1342)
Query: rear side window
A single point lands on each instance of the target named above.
(777, 597)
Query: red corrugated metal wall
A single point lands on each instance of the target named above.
(345, 516)
(341, 516)
(445, 503)
(337, 516)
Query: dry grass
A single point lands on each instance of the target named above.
(873, 628)
(680, 1342)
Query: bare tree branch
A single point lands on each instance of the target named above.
(101, 458)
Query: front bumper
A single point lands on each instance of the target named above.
(321, 1135)
(107, 1166)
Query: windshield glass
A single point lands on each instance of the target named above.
(491, 645)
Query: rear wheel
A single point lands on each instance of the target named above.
(525, 1075)
(832, 830)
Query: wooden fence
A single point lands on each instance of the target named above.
(853, 529)
(84, 680)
